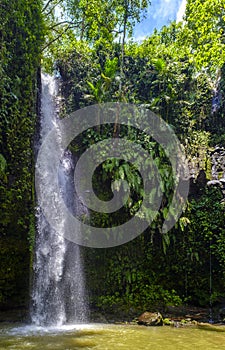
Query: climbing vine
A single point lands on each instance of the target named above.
(21, 38)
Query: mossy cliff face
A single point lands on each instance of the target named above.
(154, 269)
(21, 35)
(14, 272)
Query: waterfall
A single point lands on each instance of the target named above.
(58, 294)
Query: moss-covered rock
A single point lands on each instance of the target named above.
(150, 319)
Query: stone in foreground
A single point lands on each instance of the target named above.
(150, 319)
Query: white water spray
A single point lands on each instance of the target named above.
(58, 295)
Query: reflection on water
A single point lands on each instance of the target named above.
(110, 337)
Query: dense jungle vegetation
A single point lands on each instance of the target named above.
(178, 73)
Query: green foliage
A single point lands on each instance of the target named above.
(148, 296)
(172, 73)
(99, 24)
(159, 74)
(206, 233)
(204, 32)
(102, 90)
(22, 33)
(102, 21)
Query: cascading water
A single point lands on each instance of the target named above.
(58, 295)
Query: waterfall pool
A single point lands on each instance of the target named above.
(109, 337)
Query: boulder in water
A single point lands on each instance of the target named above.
(150, 319)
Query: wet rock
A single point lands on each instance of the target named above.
(211, 327)
(215, 183)
(150, 319)
(222, 314)
(99, 318)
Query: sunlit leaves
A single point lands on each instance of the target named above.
(204, 32)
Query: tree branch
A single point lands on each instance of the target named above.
(51, 42)
(117, 31)
(63, 22)
(47, 5)
(55, 39)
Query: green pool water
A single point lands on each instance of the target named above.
(110, 337)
